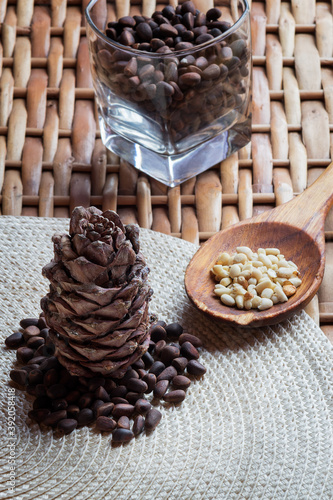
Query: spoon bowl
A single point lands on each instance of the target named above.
(296, 228)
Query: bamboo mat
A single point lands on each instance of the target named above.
(52, 157)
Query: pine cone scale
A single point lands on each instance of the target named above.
(97, 307)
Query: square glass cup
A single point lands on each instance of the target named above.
(177, 111)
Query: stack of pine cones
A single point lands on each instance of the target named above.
(97, 307)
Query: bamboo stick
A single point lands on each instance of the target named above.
(3, 6)
(329, 229)
(135, 10)
(245, 199)
(273, 8)
(328, 331)
(327, 82)
(46, 195)
(190, 228)
(122, 8)
(307, 63)
(84, 130)
(32, 156)
(1, 59)
(22, 61)
(298, 162)
(110, 193)
(229, 174)
(58, 9)
(50, 136)
(157, 187)
(174, 204)
(98, 171)
(227, 12)
(67, 99)
(262, 163)
(3, 152)
(312, 309)
(279, 131)
(16, 130)
(258, 29)
(204, 5)
(315, 129)
(304, 11)
(229, 216)
(36, 98)
(111, 13)
(79, 191)
(188, 187)
(98, 14)
(128, 176)
(12, 193)
(143, 201)
(24, 11)
(208, 194)
(260, 102)
(54, 62)
(83, 74)
(112, 158)
(72, 31)
(292, 101)
(62, 167)
(274, 62)
(234, 10)
(174, 3)
(287, 30)
(61, 212)
(40, 32)
(161, 221)
(245, 152)
(282, 186)
(324, 30)
(6, 96)
(127, 215)
(259, 209)
(9, 32)
(313, 175)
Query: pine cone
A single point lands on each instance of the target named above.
(97, 306)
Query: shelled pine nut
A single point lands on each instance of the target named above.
(250, 280)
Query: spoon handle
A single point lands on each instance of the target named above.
(309, 209)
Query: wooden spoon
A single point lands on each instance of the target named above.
(296, 228)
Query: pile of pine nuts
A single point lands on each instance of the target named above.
(250, 280)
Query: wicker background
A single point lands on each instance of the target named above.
(52, 158)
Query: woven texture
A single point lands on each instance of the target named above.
(52, 158)
(258, 425)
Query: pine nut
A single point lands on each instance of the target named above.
(265, 304)
(227, 300)
(272, 251)
(235, 271)
(239, 301)
(265, 260)
(246, 250)
(267, 293)
(285, 272)
(259, 279)
(239, 258)
(220, 272)
(224, 259)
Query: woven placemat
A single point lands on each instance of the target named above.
(258, 425)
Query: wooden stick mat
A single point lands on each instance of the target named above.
(52, 157)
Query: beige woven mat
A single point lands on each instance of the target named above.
(259, 424)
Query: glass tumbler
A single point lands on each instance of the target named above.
(177, 111)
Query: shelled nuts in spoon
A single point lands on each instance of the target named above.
(296, 228)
